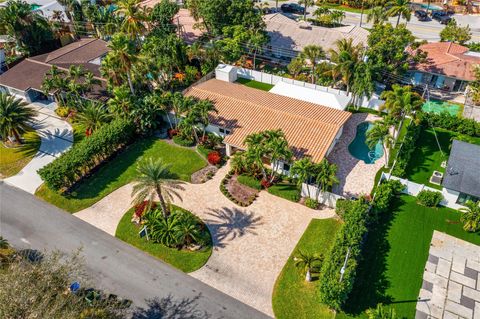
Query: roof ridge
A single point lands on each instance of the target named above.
(271, 108)
(61, 68)
(74, 49)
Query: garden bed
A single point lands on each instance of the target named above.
(185, 260)
(238, 193)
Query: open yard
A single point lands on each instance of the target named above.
(184, 260)
(121, 170)
(428, 157)
(12, 160)
(255, 84)
(293, 297)
(395, 254)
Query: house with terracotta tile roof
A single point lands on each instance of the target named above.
(312, 130)
(25, 78)
(448, 66)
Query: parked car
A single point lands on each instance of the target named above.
(292, 8)
(441, 16)
(422, 15)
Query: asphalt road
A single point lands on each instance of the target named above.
(113, 265)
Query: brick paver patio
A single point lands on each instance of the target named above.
(451, 281)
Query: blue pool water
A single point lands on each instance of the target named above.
(360, 150)
(430, 7)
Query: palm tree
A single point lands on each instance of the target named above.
(325, 175)
(4, 243)
(303, 170)
(202, 109)
(381, 313)
(124, 54)
(155, 179)
(161, 229)
(380, 132)
(400, 102)
(377, 15)
(55, 83)
(306, 4)
(307, 263)
(278, 150)
(89, 80)
(188, 230)
(134, 17)
(400, 8)
(15, 117)
(92, 116)
(345, 58)
(121, 103)
(313, 53)
(255, 151)
(470, 216)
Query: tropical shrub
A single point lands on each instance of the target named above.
(453, 123)
(470, 216)
(385, 193)
(214, 158)
(429, 198)
(84, 156)
(335, 287)
(406, 151)
(142, 208)
(62, 111)
(249, 181)
(311, 203)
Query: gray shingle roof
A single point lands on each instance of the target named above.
(463, 170)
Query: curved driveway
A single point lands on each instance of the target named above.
(56, 136)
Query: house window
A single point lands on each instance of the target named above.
(286, 167)
(221, 130)
(463, 198)
(224, 131)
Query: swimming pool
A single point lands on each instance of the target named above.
(35, 6)
(360, 150)
(430, 7)
(437, 106)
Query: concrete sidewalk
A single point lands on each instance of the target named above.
(56, 136)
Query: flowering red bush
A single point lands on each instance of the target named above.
(265, 184)
(141, 208)
(172, 132)
(214, 158)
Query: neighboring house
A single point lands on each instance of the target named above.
(288, 37)
(311, 129)
(449, 66)
(462, 176)
(46, 8)
(25, 79)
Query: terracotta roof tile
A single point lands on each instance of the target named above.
(310, 128)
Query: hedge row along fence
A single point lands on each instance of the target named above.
(453, 123)
(407, 149)
(335, 288)
(76, 163)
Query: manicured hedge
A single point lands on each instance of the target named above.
(452, 123)
(334, 292)
(77, 162)
(407, 149)
(429, 198)
(385, 193)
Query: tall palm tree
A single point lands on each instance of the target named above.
(303, 169)
(400, 102)
(380, 132)
(15, 117)
(306, 4)
(307, 262)
(345, 58)
(202, 110)
(470, 216)
(325, 175)
(313, 53)
(92, 116)
(134, 17)
(155, 179)
(399, 8)
(124, 55)
(377, 15)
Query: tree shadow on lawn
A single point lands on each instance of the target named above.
(371, 283)
(110, 171)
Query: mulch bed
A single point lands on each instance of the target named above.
(203, 175)
(240, 192)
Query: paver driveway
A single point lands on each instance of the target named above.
(251, 245)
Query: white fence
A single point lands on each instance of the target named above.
(449, 196)
(325, 198)
(274, 79)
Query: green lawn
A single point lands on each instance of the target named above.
(293, 297)
(12, 160)
(395, 254)
(121, 170)
(428, 157)
(285, 190)
(184, 260)
(255, 84)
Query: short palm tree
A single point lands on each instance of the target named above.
(92, 116)
(202, 109)
(155, 179)
(399, 8)
(303, 169)
(470, 216)
(4, 243)
(121, 103)
(377, 15)
(313, 53)
(325, 175)
(188, 230)
(15, 117)
(380, 132)
(307, 262)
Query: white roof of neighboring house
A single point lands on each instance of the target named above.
(286, 33)
(330, 99)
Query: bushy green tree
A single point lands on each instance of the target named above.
(455, 33)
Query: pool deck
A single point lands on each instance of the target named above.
(356, 177)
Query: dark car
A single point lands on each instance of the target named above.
(438, 15)
(422, 15)
(292, 8)
(445, 20)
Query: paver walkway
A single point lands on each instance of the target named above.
(251, 245)
(56, 137)
(451, 281)
(355, 176)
